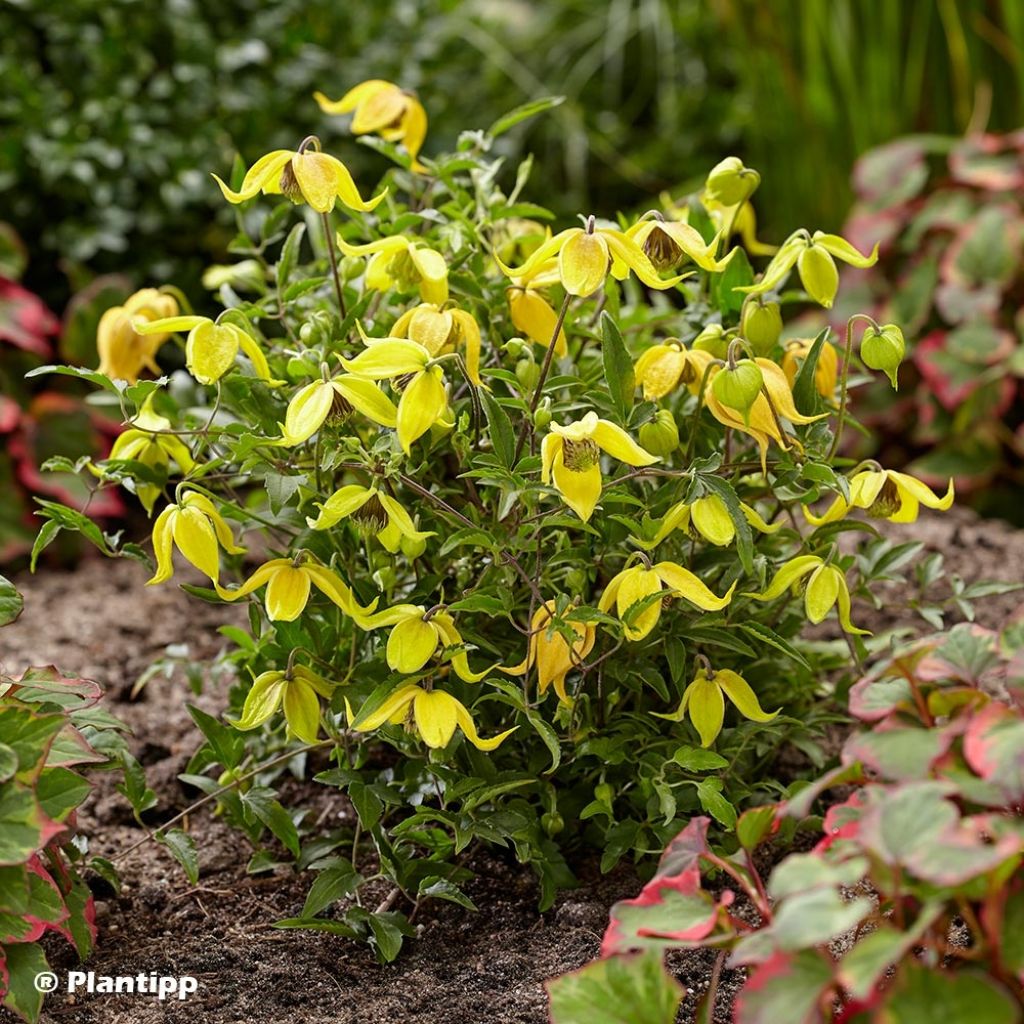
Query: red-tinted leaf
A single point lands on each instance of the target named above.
(918, 995)
(788, 987)
(24, 320)
(986, 161)
(994, 748)
(897, 754)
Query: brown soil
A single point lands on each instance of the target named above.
(466, 968)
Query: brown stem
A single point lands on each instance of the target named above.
(332, 256)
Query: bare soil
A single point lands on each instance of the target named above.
(99, 621)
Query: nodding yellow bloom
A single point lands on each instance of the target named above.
(123, 351)
(145, 442)
(812, 255)
(196, 529)
(761, 424)
(663, 367)
(416, 637)
(434, 714)
(571, 456)
(550, 650)
(707, 517)
(288, 588)
(424, 400)
(826, 372)
(533, 316)
(703, 700)
(296, 691)
(384, 109)
(403, 264)
(666, 579)
(667, 243)
(585, 257)
(212, 348)
(885, 494)
(336, 398)
(441, 331)
(303, 175)
(374, 511)
(825, 588)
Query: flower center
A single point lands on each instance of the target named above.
(371, 517)
(404, 271)
(888, 502)
(290, 184)
(579, 456)
(662, 250)
(341, 410)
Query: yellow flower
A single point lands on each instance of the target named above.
(639, 582)
(305, 175)
(416, 637)
(336, 397)
(288, 585)
(212, 348)
(296, 691)
(372, 509)
(709, 517)
(403, 264)
(551, 652)
(434, 714)
(826, 372)
(533, 316)
(442, 331)
(196, 528)
(664, 366)
(145, 442)
(667, 243)
(825, 588)
(123, 351)
(885, 494)
(424, 400)
(384, 109)
(571, 456)
(704, 701)
(585, 256)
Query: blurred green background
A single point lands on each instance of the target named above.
(113, 112)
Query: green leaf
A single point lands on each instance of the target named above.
(755, 825)
(21, 824)
(24, 961)
(943, 997)
(72, 519)
(805, 393)
(388, 934)
(8, 762)
(261, 800)
(759, 631)
(738, 274)
(11, 602)
(227, 744)
(503, 438)
(522, 113)
(443, 889)
(101, 380)
(696, 759)
(709, 792)
(618, 367)
(744, 536)
(60, 791)
(46, 536)
(184, 849)
(786, 988)
(331, 884)
(289, 254)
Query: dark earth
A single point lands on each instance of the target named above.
(99, 621)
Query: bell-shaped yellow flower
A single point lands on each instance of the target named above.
(667, 243)
(416, 636)
(585, 257)
(666, 579)
(404, 264)
(196, 529)
(550, 651)
(441, 331)
(704, 701)
(123, 351)
(296, 692)
(212, 348)
(826, 372)
(373, 509)
(885, 494)
(663, 367)
(289, 581)
(825, 589)
(424, 400)
(434, 714)
(312, 405)
(707, 517)
(533, 316)
(571, 457)
(304, 175)
(384, 109)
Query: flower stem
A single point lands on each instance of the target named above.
(332, 256)
(847, 355)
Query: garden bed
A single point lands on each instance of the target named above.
(489, 966)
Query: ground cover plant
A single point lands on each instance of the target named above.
(530, 521)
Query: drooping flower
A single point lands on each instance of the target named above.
(403, 264)
(289, 581)
(123, 350)
(550, 651)
(441, 331)
(665, 579)
(384, 109)
(434, 714)
(296, 691)
(337, 397)
(303, 175)
(709, 518)
(667, 243)
(703, 700)
(195, 527)
(826, 371)
(533, 316)
(211, 348)
(825, 589)
(571, 457)
(885, 494)
(373, 509)
(663, 367)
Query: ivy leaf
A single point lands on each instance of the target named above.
(618, 367)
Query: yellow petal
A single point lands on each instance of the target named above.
(367, 398)
(388, 357)
(822, 591)
(402, 520)
(287, 593)
(193, 499)
(210, 350)
(254, 582)
(583, 263)
(451, 637)
(337, 590)
(257, 358)
(378, 108)
(422, 404)
(469, 332)
(341, 504)
(707, 708)
(581, 490)
(393, 706)
(628, 252)
(435, 717)
(262, 700)
(306, 413)
(659, 370)
(266, 170)
(195, 538)
(466, 724)
(533, 316)
(414, 130)
(302, 710)
(638, 584)
(411, 644)
(712, 520)
(921, 492)
(433, 273)
(356, 95)
(619, 445)
(162, 545)
(787, 575)
(739, 691)
(688, 586)
(843, 601)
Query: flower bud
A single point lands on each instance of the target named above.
(819, 275)
(883, 349)
(712, 339)
(730, 183)
(761, 325)
(552, 823)
(604, 793)
(412, 547)
(661, 435)
(738, 386)
(350, 267)
(542, 417)
(528, 374)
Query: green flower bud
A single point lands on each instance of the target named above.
(883, 349)
(552, 823)
(350, 267)
(738, 386)
(412, 548)
(604, 793)
(730, 183)
(761, 325)
(661, 435)
(712, 339)
(527, 373)
(542, 417)
(819, 275)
